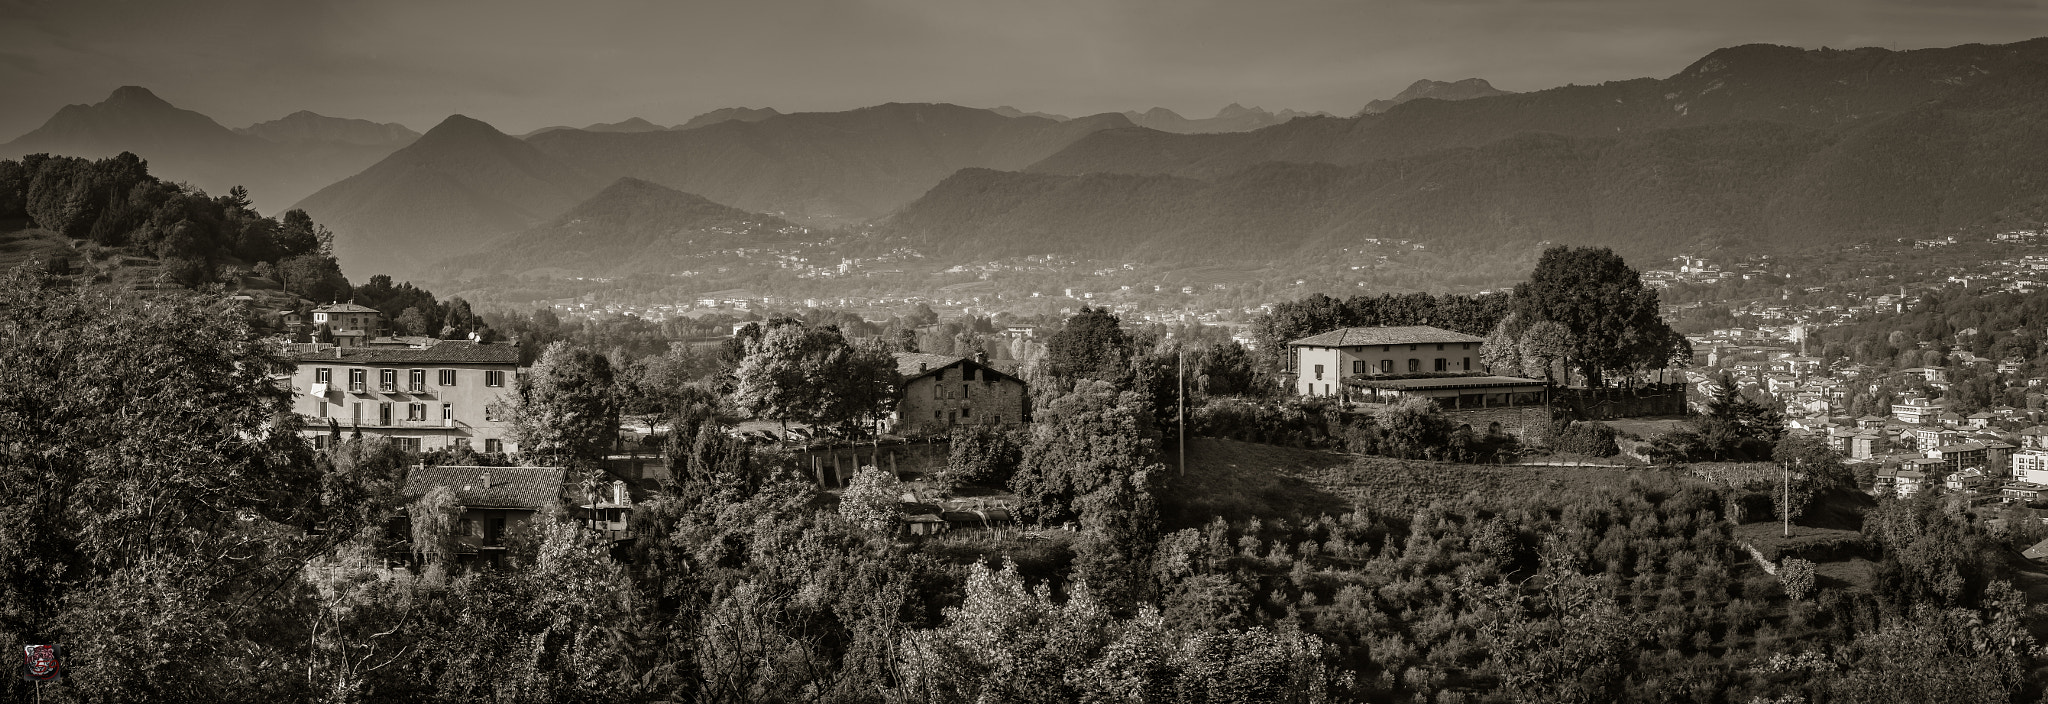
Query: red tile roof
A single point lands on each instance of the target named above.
(443, 352)
(516, 487)
(1403, 335)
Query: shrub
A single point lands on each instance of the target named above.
(1584, 438)
(872, 502)
(981, 455)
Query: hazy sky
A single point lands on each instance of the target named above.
(522, 65)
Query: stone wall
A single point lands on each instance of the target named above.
(1604, 404)
(834, 466)
(1530, 423)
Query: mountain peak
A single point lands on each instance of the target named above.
(1235, 110)
(1466, 89)
(633, 124)
(137, 96)
(728, 115)
(462, 126)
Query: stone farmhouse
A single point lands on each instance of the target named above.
(943, 391)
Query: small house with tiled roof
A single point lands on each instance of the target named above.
(1321, 363)
(435, 394)
(495, 502)
(941, 392)
(348, 323)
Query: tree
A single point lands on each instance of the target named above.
(567, 409)
(1543, 347)
(1093, 345)
(412, 322)
(871, 501)
(860, 385)
(794, 372)
(1737, 427)
(151, 469)
(1082, 442)
(1413, 427)
(459, 322)
(1611, 316)
(981, 454)
(1502, 352)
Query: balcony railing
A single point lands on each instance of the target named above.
(316, 423)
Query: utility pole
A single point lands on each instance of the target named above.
(1181, 371)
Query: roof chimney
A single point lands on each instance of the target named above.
(619, 492)
(487, 480)
(337, 351)
(981, 358)
(922, 366)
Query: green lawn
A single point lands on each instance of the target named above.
(1239, 480)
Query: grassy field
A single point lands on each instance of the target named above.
(18, 245)
(1239, 480)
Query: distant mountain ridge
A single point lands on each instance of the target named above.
(1460, 90)
(836, 167)
(631, 124)
(632, 226)
(458, 186)
(727, 115)
(182, 145)
(1232, 118)
(1945, 155)
(464, 183)
(1816, 88)
(308, 126)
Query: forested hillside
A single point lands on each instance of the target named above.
(114, 205)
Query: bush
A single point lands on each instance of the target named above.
(1797, 577)
(872, 501)
(982, 455)
(1592, 439)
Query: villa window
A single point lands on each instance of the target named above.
(1414, 365)
(447, 377)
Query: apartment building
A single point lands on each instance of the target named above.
(439, 394)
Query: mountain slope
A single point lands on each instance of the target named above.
(1816, 88)
(823, 167)
(459, 185)
(183, 145)
(1962, 158)
(631, 226)
(1439, 90)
